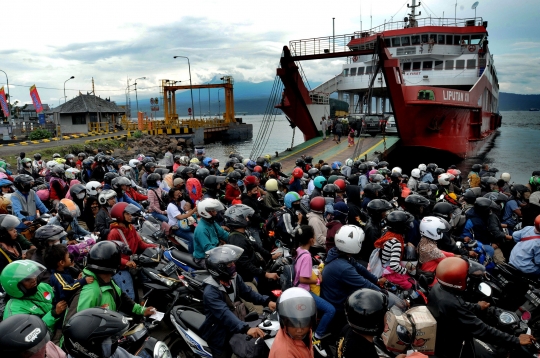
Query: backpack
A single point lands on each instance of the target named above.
(270, 225)
(288, 275)
(375, 264)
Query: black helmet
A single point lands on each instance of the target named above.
(469, 196)
(48, 233)
(119, 181)
(94, 332)
(23, 333)
(78, 191)
(239, 166)
(308, 159)
(372, 189)
(87, 163)
(37, 156)
(431, 167)
(104, 257)
(24, 182)
(300, 163)
(382, 164)
(439, 171)
(399, 221)
(362, 168)
(108, 177)
(518, 190)
(296, 308)
(417, 201)
(378, 206)
(186, 171)
(237, 216)
(178, 172)
(329, 191)
(482, 206)
(234, 177)
(118, 162)
(81, 154)
(152, 179)
(325, 171)
(148, 166)
(476, 168)
(276, 167)
(365, 310)
(443, 210)
(211, 181)
(424, 189)
(58, 171)
(202, 173)
(161, 171)
(262, 162)
(313, 172)
(218, 260)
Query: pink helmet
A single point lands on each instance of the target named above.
(43, 194)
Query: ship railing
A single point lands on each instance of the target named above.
(320, 45)
(319, 97)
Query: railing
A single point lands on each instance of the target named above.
(329, 44)
(177, 123)
(99, 127)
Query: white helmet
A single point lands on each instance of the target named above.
(93, 188)
(51, 164)
(433, 227)
(133, 163)
(415, 173)
(349, 162)
(106, 195)
(184, 160)
(72, 173)
(245, 161)
(396, 170)
(209, 205)
(506, 177)
(422, 167)
(445, 178)
(125, 170)
(349, 239)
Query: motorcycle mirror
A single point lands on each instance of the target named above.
(485, 289)
(526, 316)
(459, 244)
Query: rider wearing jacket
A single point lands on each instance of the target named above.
(457, 324)
(525, 255)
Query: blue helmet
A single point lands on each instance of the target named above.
(206, 161)
(251, 165)
(336, 165)
(5, 182)
(319, 182)
(290, 198)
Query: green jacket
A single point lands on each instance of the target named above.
(39, 304)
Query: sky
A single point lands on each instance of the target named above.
(47, 42)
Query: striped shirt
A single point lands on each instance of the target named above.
(391, 256)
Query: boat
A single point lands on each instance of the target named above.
(437, 76)
(534, 109)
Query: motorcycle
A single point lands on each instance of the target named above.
(38, 222)
(138, 342)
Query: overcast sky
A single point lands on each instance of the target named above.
(46, 42)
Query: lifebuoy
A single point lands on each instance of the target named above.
(355, 58)
(472, 48)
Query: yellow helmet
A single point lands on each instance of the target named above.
(267, 156)
(271, 185)
(60, 160)
(195, 160)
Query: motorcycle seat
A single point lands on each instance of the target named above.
(193, 320)
(186, 258)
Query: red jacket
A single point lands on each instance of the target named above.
(135, 195)
(231, 193)
(134, 241)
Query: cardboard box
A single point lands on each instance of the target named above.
(424, 325)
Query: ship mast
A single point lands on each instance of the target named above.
(412, 15)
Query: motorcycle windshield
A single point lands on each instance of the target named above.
(149, 227)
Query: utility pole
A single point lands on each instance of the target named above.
(334, 34)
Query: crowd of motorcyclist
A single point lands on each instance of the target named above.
(376, 225)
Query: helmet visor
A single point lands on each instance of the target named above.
(297, 312)
(132, 209)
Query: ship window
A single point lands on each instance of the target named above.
(405, 41)
(457, 40)
(427, 65)
(471, 64)
(425, 38)
(438, 65)
(369, 69)
(449, 39)
(426, 95)
(475, 39)
(440, 39)
(460, 64)
(406, 66)
(387, 43)
(467, 39)
(395, 42)
(345, 72)
(416, 65)
(353, 71)
(449, 65)
(415, 40)
(360, 71)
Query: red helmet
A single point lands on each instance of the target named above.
(257, 169)
(251, 180)
(117, 211)
(340, 183)
(317, 204)
(297, 173)
(454, 172)
(452, 272)
(537, 223)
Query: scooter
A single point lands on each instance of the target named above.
(138, 342)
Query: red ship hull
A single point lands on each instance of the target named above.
(458, 122)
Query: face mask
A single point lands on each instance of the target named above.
(231, 270)
(81, 195)
(28, 165)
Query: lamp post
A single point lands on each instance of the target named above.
(219, 102)
(136, 97)
(128, 105)
(9, 97)
(72, 77)
(190, 86)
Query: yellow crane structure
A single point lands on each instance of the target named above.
(168, 89)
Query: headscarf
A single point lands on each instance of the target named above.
(428, 251)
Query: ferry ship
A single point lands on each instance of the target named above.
(436, 75)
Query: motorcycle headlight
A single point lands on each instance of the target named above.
(161, 350)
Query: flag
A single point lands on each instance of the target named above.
(3, 102)
(35, 99)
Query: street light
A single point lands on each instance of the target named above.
(190, 86)
(72, 77)
(9, 97)
(128, 102)
(136, 97)
(219, 102)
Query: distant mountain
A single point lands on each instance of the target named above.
(518, 102)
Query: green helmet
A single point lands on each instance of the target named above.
(535, 180)
(16, 272)
(319, 182)
(26, 160)
(332, 179)
(3, 164)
